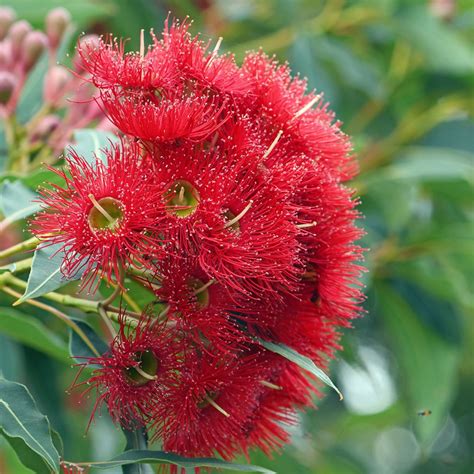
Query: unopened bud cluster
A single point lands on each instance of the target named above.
(67, 101)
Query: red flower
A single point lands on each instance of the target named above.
(239, 211)
(165, 119)
(207, 408)
(106, 216)
(111, 67)
(230, 218)
(134, 377)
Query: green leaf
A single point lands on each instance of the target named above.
(30, 332)
(78, 350)
(443, 49)
(427, 363)
(137, 439)
(58, 442)
(45, 274)
(82, 11)
(16, 201)
(31, 98)
(89, 143)
(302, 361)
(32, 93)
(146, 456)
(440, 315)
(33, 179)
(353, 71)
(426, 164)
(26, 429)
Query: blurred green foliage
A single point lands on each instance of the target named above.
(398, 74)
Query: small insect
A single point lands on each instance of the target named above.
(424, 413)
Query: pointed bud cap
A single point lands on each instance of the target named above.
(7, 86)
(34, 44)
(7, 17)
(56, 24)
(17, 34)
(55, 84)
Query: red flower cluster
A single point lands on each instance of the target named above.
(228, 189)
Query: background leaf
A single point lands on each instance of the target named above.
(45, 274)
(428, 363)
(140, 456)
(137, 439)
(26, 429)
(89, 143)
(17, 201)
(302, 361)
(78, 350)
(27, 330)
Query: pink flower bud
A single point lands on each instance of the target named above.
(86, 43)
(17, 34)
(7, 86)
(55, 84)
(45, 127)
(443, 9)
(56, 23)
(5, 55)
(7, 17)
(34, 44)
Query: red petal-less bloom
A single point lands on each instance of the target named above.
(200, 309)
(135, 375)
(106, 216)
(229, 218)
(257, 230)
(198, 65)
(165, 119)
(111, 67)
(204, 413)
(282, 103)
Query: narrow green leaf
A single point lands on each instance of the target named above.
(32, 333)
(79, 350)
(137, 439)
(33, 179)
(439, 314)
(302, 361)
(89, 143)
(45, 274)
(26, 429)
(442, 47)
(32, 93)
(16, 201)
(153, 457)
(428, 364)
(426, 164)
